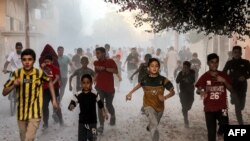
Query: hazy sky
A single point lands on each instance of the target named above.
(92, 10)
(95, 10)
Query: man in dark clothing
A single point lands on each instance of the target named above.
(132, 63)
(239, 71)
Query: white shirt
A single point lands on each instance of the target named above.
(172, 58)
(15, 61)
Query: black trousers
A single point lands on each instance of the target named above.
(186, 99)
(211, 122)
(46, 101)
(239, 101)
(108, 99)
(87, 132)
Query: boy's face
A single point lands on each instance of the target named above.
(99, 54)
(237, 54)
(158, 52)
(154, 67)
(86, 84)
(213, 64)
(60, 51)
(133, 51)
(185, 68)
(47, 62)
(84, 63)
(19, 50)
(28, 62)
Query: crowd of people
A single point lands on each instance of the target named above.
(94, 76)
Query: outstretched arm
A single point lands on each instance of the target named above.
(129, 95)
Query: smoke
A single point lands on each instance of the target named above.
(82, 23)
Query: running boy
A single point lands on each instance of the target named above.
(80, 72)
(212, 87)
(28, 84)
(87, 117)
(153, 86)
(143, 71)
(186, 79)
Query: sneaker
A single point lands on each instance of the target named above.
(100, 129)
(112, 121)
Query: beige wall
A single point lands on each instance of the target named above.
(2, 14)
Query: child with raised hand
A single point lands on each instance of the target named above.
(87, 116)
(153, 86)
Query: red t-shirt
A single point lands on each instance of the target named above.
(51, 71)
(217, 94)
(104, 79)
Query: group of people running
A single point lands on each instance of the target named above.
(36, 87)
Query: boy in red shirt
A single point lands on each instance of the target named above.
(212, 86)
(105, 68)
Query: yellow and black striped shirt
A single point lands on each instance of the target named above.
(29, 93)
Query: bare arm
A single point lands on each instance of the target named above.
(56, 79)
(5, 66)
(53, 95)
(70, 80)
(129, 95)
(137, 71)
(170, 94)
(7, 90)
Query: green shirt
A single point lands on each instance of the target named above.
(63, 63)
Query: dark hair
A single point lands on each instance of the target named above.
(86, 76)
(84, 58)
(195, 54)
(79, 50)
(187, 63)
(19, 44)
(101, 49)
(152, 60)
(237, 48)
(147, 57)
(60, 47)
(49, 57)
(107, 46)
(29, 52)
(212, 56)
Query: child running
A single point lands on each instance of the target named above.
(212, 87)
(186, 79)
(87, 116)
(143, 71)
(80, 72)
(153, 86)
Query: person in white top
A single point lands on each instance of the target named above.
(172, 58)
(160, 56)
(14, 59)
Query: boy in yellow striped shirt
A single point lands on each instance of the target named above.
(28, 84)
